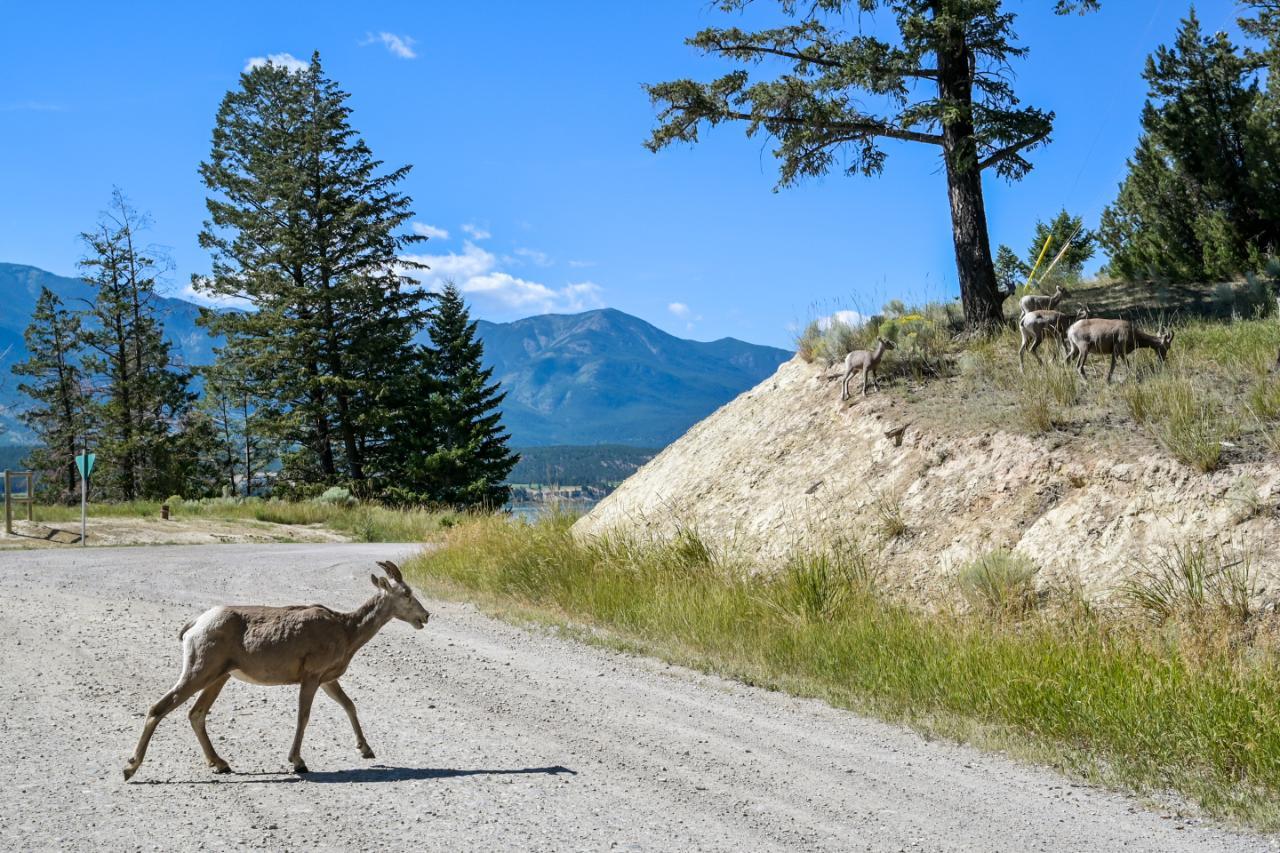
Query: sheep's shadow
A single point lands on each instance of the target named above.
(362, 775)
(380, 773)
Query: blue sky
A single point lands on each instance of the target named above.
(524, 122)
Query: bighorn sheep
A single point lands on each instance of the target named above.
(1114, 338)
(1037, 302)
(1036, 324)
(308, 645)
(865, 361)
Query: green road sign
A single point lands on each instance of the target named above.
(81, 466)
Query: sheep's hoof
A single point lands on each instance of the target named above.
(222, 767)
(366, 752)
(300, 768)
(129, 770)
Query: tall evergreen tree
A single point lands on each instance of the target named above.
(304, 225)
(143, 399)
(953, 52)
(1194, 205)
(471, 458)
(56, 384)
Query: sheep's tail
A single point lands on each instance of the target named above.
(185, 628)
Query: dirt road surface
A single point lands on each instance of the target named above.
(488, 737)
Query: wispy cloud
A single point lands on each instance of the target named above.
(534, 256)
(422, 229)
(581, 264)
(479, 274)
(679, 309)
(401, 46)
(476, 232)
(284, 60)
(32, 107)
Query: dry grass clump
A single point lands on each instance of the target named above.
(1192, 581)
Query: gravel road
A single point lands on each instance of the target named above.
(488, 737)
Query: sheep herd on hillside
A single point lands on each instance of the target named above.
(1039, 317)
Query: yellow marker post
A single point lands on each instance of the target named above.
(1043, 250)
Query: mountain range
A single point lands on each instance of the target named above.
(592, 378)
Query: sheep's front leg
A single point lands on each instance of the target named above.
(865, 371)
(1112, 368)
(306, 693)
(335, 692)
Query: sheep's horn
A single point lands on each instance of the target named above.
(392, 570)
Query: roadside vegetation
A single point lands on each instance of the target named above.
(363, 522)
(1172, 689)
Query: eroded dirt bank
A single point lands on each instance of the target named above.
(786, 466)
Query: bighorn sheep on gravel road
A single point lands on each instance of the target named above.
(1036, 324)
(1038, 302)
(309, 645)
(865, 361)
(1114, 338)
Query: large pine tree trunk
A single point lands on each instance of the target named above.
(977, 274)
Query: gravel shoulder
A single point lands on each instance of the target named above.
(488, 736)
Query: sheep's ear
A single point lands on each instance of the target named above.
(374, 580)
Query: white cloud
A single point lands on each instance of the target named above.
(190, 294)
(581, 264)
(422, 229)
(477, 273)
(401, 46)
(284, 60)
(476, 232)
(849, 318)
(679, 309)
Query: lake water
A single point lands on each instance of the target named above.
(531, 512)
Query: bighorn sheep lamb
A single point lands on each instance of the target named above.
(1036, 324)
(865, 361)
(1114, 338)
(308, 645)
(1037, 302)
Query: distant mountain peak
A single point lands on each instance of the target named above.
(595, 377)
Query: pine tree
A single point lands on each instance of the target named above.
(56, 384)
(1011, 272)
(1194, 205)
(143, 399)
(1057, 232)
(303, 225)
(471, 458)
(954, 52)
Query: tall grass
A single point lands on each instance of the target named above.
(1118, 700)
(362, 522)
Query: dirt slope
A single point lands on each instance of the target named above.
(786, 465)
(488, 737)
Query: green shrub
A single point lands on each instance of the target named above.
(1001, 583)
(336, 495)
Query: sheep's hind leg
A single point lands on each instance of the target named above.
(199, 712)
(187, 686)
